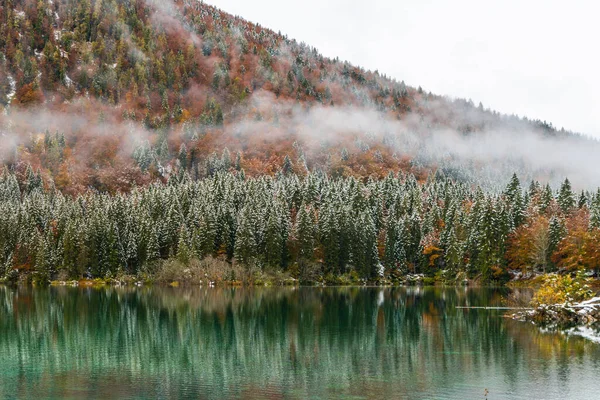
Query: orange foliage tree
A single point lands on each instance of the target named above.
(580, 249)
(529, 245)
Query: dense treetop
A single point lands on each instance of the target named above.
(310, 227)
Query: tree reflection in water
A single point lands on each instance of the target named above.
(279, 342)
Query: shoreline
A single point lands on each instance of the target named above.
(100, 283)
(263, 280)
(267, 279)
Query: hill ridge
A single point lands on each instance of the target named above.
(174, 82)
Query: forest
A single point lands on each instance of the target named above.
(140, 137)
(312, 228)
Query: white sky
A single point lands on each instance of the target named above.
(539, 58)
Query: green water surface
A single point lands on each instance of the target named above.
(343, 343)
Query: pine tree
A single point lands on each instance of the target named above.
(274, 240)
(238, 161)
(340, 223)
(566, 199)
(395, 250)
(364, 246)
(245, 242)
(183, 157)
(391, 235)
(152, 246)
(534, 189)
(453, 254)
(546, 198)
(226, 159)
(344, 154)
(287, 167)
(514, 195)
(204, 238)
(329, 238)
(305, 234)
(513, 190)
(184, 250)
(582, 201)
(42, 261)
(556, 233)
(71, 246)
(595, 212)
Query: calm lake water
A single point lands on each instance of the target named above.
(281, 343)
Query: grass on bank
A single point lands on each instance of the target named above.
(214, 271)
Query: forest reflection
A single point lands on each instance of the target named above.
(274, 342)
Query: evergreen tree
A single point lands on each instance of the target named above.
(287, 167)
(582, 201)
(546, 198)
(566, 200)
(556, 232)
(304, 236)
(245, 242)
(595, 212)
(453, 254)
(274, 240)
(204, 237)
(514, 195)
(184, 248)
(152, 246)
(183, 157)
(395, 250)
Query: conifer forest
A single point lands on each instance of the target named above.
(312, 227)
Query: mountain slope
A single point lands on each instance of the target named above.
(107, 93)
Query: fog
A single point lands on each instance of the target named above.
(530, 58)
(488, 157)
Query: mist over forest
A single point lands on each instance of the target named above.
(134, 90)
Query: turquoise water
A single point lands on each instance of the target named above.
(343, 343)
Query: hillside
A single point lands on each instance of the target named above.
(262, 151)
(107, 94)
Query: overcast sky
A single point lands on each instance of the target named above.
(539, 58)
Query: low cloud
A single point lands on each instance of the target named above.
(488, 156)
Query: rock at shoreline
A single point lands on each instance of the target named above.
(585, 313)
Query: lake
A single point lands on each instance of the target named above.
(213, 343)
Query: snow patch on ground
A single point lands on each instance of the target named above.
(585, 332)
(593, 300)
